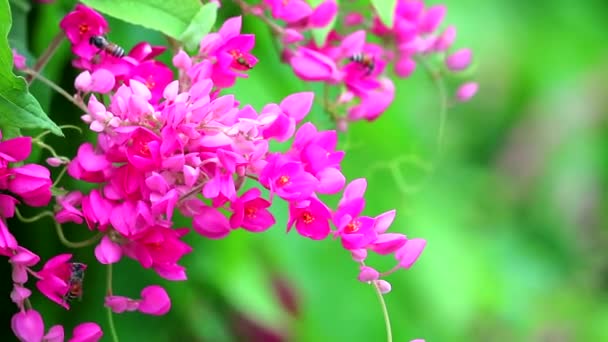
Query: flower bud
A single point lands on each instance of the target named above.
(459, 60)
(466, 91)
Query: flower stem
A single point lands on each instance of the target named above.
(46, 56)
(60, 235)
(57, 89)
(109, 310)
(439, 84)
(387, 320)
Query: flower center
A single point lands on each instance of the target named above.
(250, 212)
(150, 83)
(352, 227)
(307, 217)
(144, 150)
(83, 28)
(282, 180)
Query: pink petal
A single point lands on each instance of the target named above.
(154, 301)
(108, 252)
(211, 223)
(55, 334)
(367, 273)
(28, 326)
(86, 332)
(409, 253)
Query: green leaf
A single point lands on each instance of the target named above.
(18, 108)
(200, 25)
(385, 10)
(169, 17)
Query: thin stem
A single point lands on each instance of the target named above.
(276, 29)
(49, 148)
(43, 134)
(109, 310)
(58, 179)
(57, 89)
(387, 320)
(46, 56)
(80, 244)
(439, 84)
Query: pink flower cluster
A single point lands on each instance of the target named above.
(30, 184)
(351, 62)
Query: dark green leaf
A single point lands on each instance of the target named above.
(385, 10)
(18, 108)
(200, 25)
(169, 17)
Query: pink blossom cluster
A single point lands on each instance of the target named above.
(167, 144)
(30, 184)
(355, 63)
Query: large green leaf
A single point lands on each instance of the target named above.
(200, 25)
(169, 17)
(385, 10)
(18, 108)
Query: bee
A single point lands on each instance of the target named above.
(365, 60)
(243, 62)
(75, 282)
(102, 43)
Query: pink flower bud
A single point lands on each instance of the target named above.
(28, 326)
(182, 61)
(19, 294)
(353, 19)
(83, 82)
(120, 304)
(359, 254)
(409, 253)
(387, 243)
(432, 18)
(384, 286)
(86, 332)
(466, 91)
(18, 60)
(459, 60)
(154, 301)
(211, 223)
(102, 81)
(107, 252)
(291, 36)
(405, 67)
(55, 161)
(446, 39)
(55, 334)
(368, 274)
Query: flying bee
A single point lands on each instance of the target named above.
(102, 43)
(365, 60)
(75, 282)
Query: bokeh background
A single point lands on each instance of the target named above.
(513, 206)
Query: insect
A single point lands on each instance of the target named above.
(365, 60)
(243, 62)
(102, 43)
(75, 281)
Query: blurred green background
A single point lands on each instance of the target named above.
(513, 207)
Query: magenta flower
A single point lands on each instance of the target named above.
(100, 81)
(211, 223)
(323, 14)
(159, 248)
(14, 150)
(21, 260)
(54, 278)
(409, 253)
(466, 91)
(8, 243)
(154, 301)
(143, 150)
(18, 60)
(250, 212)
(288, 179)
(311, 65)
(108, 252)
(312, 220)
(374, 103)
(86, 332)
(89, 166)
(68, 211)
(387, 243)
(154, 75)
(459, 60)
(32, 183)
(28, 326)
(80, 25)
(233, 55)
(290, 11)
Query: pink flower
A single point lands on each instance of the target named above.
(409, 253)
(367, 273)
(432, 18)
(288, 179)
(312, 220)
(22, 259)
(100, 81)
(211, 223)
(14, 150)
(89, 166)
(86, 332)
(32, 183)
(154, 301)
(289, 11)
(384, 286)
(459, 60)
(18, 60)
(154, 75)
(54, 278)
(80, 25)
(8, 243)
(323, 14)
(387, 243)
(466, 91)
(108, 252)
(311, 65)
(233, 55)
(28, 326)
(250, 212)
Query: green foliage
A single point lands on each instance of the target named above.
(18, 108)
(169, 17)
(385, 10)
(200, 25)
